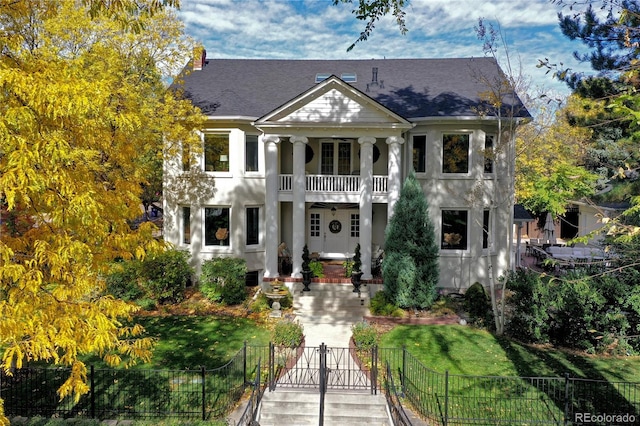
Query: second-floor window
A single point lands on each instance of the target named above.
(251, 153)
(419, 153)
(216, 152)
(488, 154)
(455, 153)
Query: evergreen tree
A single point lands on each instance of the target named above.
(611, 37)
(411, 269)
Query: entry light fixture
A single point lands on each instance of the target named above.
(333, 210)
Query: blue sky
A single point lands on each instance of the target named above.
(315, 29)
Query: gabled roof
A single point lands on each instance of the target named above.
(333, 101)
(411, 88)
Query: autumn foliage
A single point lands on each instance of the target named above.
(83, 105)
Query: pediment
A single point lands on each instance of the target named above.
(333, 102)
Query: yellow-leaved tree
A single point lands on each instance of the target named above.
(83, 104)
(550, 161)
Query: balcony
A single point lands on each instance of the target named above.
(333, 185)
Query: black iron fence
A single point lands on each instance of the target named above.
(448, 399)
(199, 393)
(442, 398)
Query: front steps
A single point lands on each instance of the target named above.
(285, 407)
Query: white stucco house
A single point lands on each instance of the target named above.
(315, 152)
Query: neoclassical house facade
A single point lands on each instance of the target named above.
(316, 151)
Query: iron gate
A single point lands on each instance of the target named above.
(339, 367)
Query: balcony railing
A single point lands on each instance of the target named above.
(333, 183)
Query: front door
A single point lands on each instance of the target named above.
(333, 233)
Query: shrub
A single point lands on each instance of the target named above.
(478, 305)
(167, 275)
(528, 303)
(348, 267)
(380, 305)
(365, 336)
(287, 333)
(223, 280)
(122, 280)
(161, 277)
(316, 268)
(259, 304)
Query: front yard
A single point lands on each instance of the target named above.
(468, 351)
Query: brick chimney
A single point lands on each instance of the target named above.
(199, 59)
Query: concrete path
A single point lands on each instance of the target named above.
(328, 312)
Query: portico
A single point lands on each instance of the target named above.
(334, 134)
(330, 213)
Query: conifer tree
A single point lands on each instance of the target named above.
(411, 269)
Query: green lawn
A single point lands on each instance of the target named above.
(188, 342)
(468, 351)
(487, 378)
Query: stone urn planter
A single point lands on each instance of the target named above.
(356, 280)
(306, 279)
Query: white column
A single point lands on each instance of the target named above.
(271, 220)
(299, 189)
(394, 181)
(366, 208)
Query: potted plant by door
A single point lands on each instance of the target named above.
(356, 272)
(306, 270)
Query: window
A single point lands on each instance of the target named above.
(186, 225)
(322, 76)
(251, 279)
(419, 153)
(349, 77)
(326, 163)
(455, 153)
(488, 154)
(216, 153)
(355, 225)
(486, 228)
(251, 153)
(314, 225)
(253, 225)
(454, 230)
(344, 158)
(186, 158)
(216, 226)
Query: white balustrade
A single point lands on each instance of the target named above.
(333, 183)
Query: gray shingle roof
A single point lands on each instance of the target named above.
(412, 88)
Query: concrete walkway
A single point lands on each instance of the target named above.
(328, 312)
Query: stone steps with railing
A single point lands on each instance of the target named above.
(340, 409)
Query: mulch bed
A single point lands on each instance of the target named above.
(441, 320)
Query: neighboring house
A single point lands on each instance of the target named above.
(581, 218)
(315, 152)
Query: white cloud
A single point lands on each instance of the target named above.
(318, 30)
